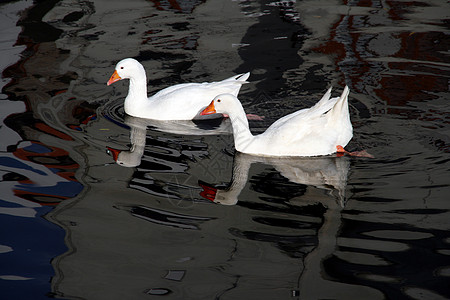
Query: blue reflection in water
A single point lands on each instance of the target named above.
(389, 240)
(26, 270)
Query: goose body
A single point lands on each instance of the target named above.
(179, 102)
(319, 130)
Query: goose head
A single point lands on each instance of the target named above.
(224, 103)
(127, 68)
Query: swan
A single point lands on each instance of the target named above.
(322, 129)
(179, 102)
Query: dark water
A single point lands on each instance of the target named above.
(76, 224)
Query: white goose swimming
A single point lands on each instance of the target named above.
(322, 129)
(179, 102)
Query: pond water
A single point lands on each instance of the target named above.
(96, 204)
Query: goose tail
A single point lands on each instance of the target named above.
(325, 98)
(341, 106)
(241, 78)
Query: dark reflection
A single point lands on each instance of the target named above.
(390, 57)
(166, 218)
(34, 29)
(271, 45)
(327, 173)
(184, 6)
(390, 253)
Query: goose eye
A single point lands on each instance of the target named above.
(121, 68)
(218, 100)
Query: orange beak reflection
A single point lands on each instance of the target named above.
(114, 77)
(210, 109)
(114, 152)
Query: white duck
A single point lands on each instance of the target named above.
(179, 102)
(322, 129)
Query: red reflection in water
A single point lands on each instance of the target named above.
(41, 172)
(410, 73)
(181, 6)
(56, 161)
(400, 8)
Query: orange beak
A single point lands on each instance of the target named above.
(210, 109)
(114, 77)
(114, 152)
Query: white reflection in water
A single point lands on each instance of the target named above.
(138, 134)
(328, 173)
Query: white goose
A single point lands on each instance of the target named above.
(322, 129)
(179, 102)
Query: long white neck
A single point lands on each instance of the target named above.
(137, 94)
(241, 131)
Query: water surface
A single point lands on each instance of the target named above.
(96, 204)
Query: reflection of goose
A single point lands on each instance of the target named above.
(184, 127)
(320, 130)
(178, 102)
(138, 135)
(329, 173)
(326, 172)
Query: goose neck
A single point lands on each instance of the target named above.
(138, 88)
(241, 131)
